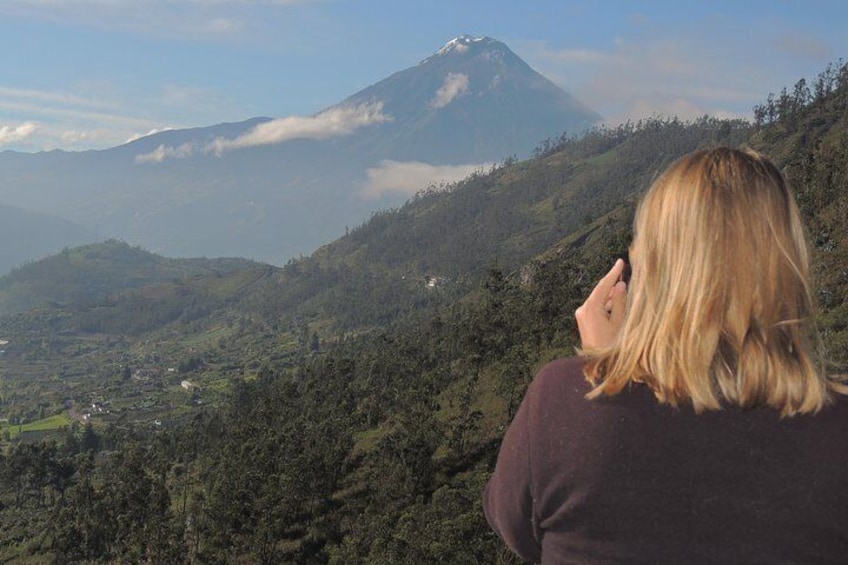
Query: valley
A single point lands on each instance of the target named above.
(338, 409)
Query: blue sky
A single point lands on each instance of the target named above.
(83, 74)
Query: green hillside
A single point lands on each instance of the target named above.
(347, 408)
(91, 274)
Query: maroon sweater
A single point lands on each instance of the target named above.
(624, 479)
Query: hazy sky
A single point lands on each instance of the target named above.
(81, 74)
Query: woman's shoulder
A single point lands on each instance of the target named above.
(568, 367)
(835, 409)
(561, 377)
(562, 386)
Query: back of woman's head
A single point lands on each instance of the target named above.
(720, 309)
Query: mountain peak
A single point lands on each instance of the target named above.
(461, 44)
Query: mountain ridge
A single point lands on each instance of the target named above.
(273, 189)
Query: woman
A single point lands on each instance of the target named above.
(696, 426)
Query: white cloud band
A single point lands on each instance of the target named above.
(409, 177)
(16, 134)
(163, 152)
(335, 122)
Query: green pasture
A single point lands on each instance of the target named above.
(46, 424)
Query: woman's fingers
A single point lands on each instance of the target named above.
(618, 301)
(601, 292)
(601, 317)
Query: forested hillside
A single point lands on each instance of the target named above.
(365, 388)
(91, 274)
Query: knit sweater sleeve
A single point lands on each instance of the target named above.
(508, 500)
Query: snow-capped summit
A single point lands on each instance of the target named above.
(463, 45)
(460, 44)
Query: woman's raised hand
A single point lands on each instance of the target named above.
(600, 318)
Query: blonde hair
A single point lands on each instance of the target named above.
(720, 309)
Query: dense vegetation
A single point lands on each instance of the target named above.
(365, 388)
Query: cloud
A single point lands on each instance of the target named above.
(163, 152)
(335, 122)
(53, 105)
(52, 97)
(717, 63)
(9, 135)
(73, 137)
(184, 19)
(69, 120)
(72, 113)
(455, 85)
(674, 75)
(409, 177)
(670, 78)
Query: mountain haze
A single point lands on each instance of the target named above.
(30, 235)
(271, 189)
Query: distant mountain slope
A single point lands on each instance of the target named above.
(29, 235)
(275, 189)
(473, 101)
(91, 275)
